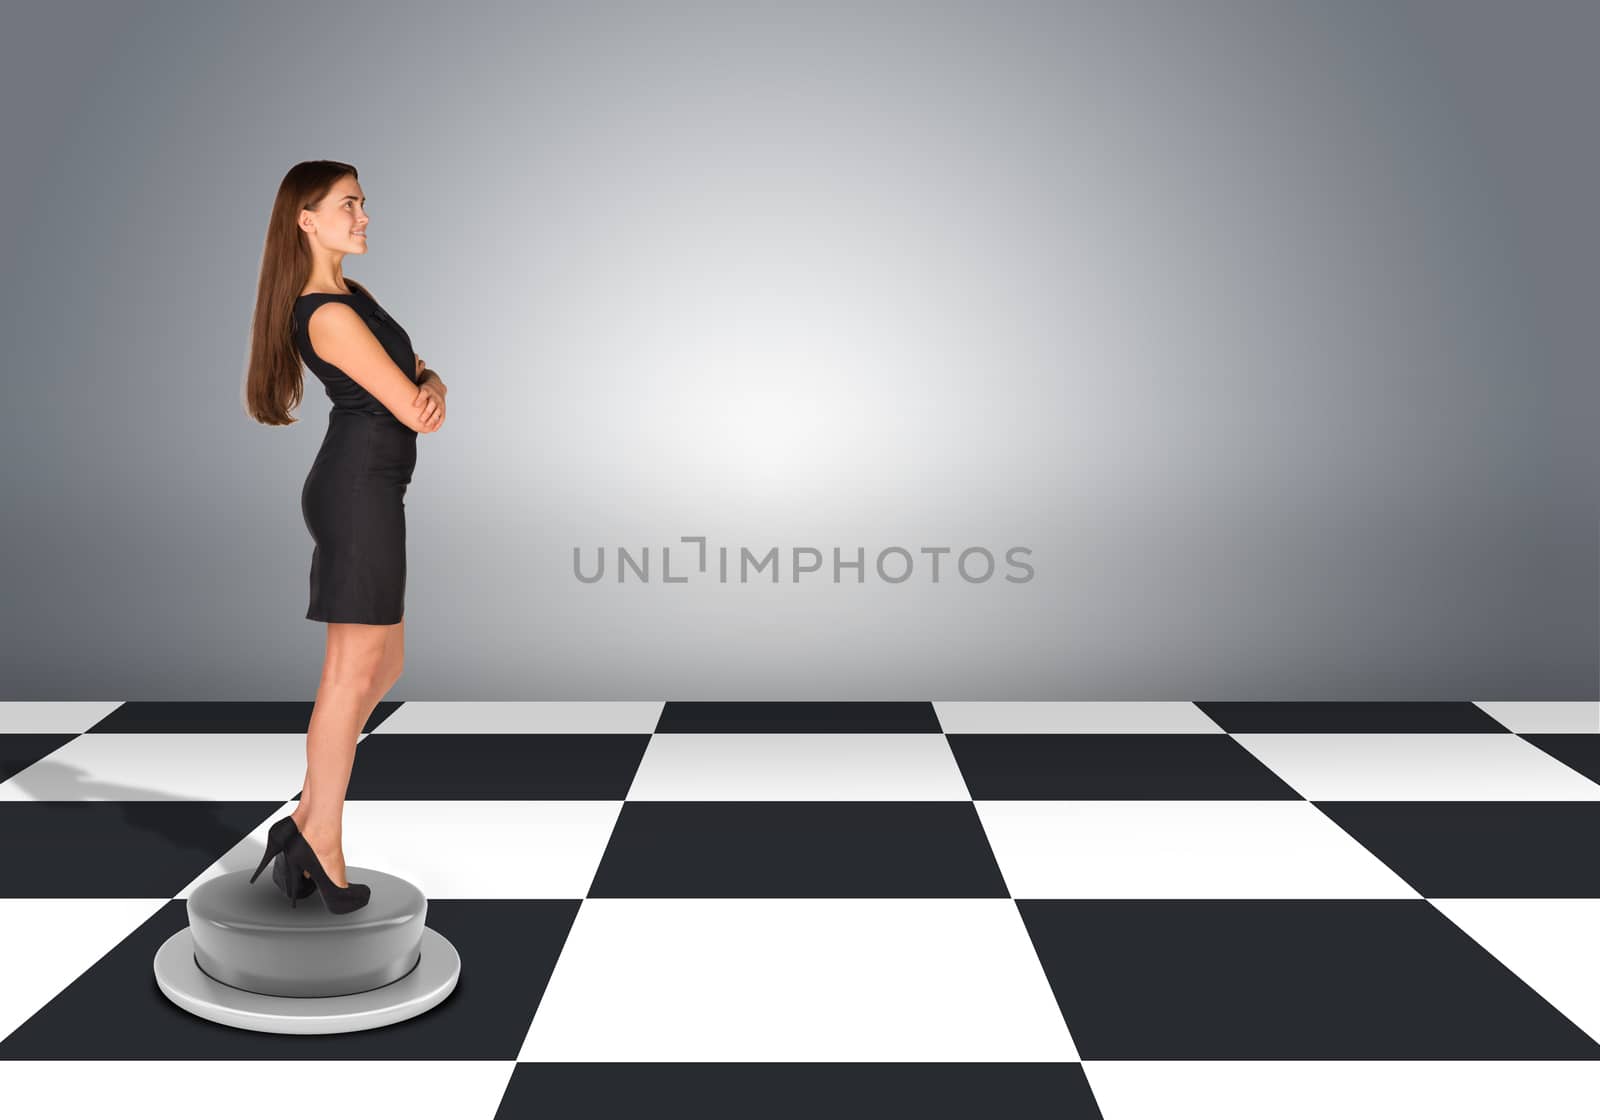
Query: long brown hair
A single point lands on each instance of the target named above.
(274, 380)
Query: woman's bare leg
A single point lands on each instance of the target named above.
(361, 665)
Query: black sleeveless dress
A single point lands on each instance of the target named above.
(353, 500)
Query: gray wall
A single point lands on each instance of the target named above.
(1268, 328)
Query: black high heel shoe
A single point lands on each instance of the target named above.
(338, 900)
(278, 837)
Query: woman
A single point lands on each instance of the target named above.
(353, 500)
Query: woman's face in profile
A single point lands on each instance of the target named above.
(340, 219)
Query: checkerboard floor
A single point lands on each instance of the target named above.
(1120, 910)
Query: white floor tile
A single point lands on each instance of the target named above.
(255, 1090)
(1424, 767)
(799, 767)
(52, 717)
(1370, 1090)
(479, 717)
(49, 943)
(1180, 849)
(1529, 717)
(189, 766)
(798, 980)
(1549, 942)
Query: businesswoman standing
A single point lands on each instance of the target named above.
(353, 500)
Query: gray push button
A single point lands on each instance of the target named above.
(249, 959)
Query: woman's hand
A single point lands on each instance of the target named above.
(430, 397)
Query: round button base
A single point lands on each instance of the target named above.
(434, 977)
